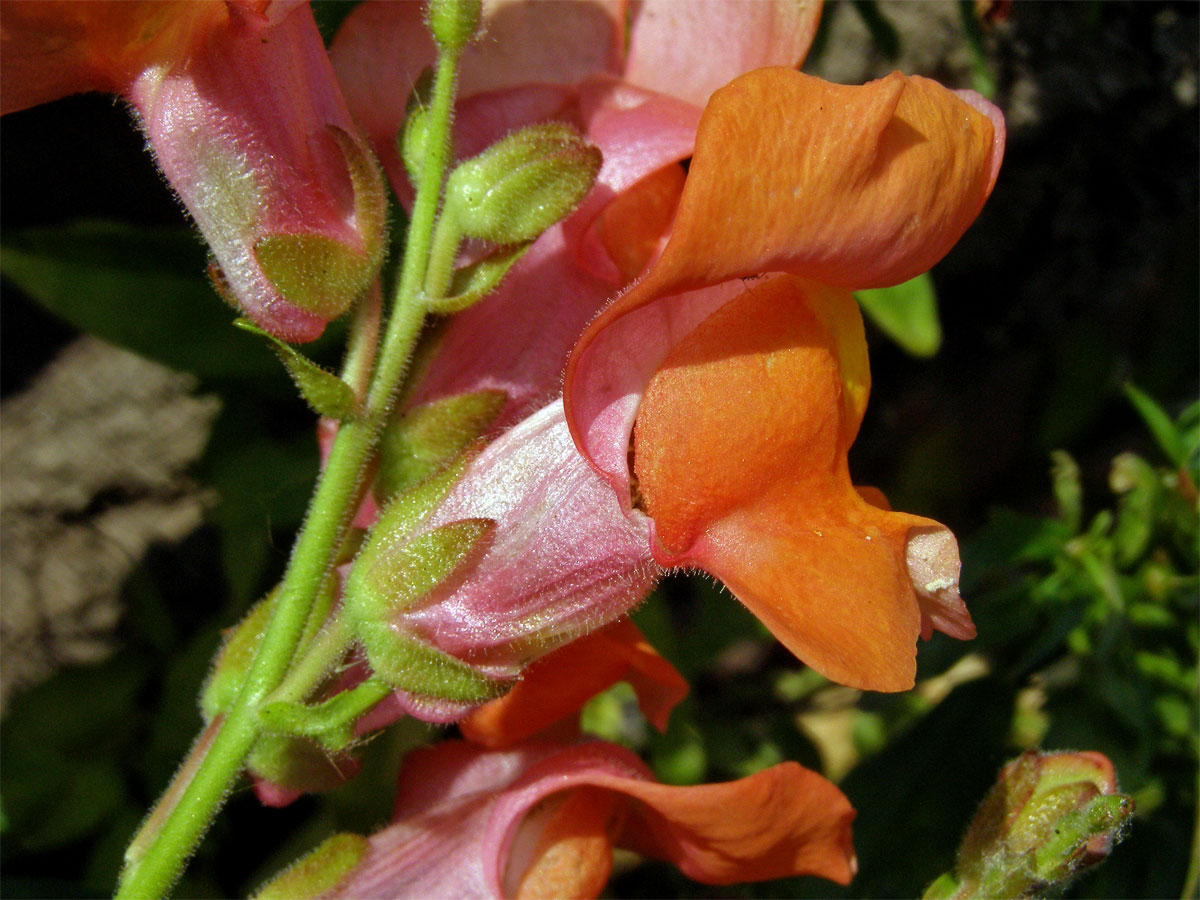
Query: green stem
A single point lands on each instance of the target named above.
(1191, 883)
(443, 253)
(158, 853)
(315, 663)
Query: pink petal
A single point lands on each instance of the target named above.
(691, 49)
(638, 132)
(612, 371)
(461, 813)
(517, 339)
(565, 558)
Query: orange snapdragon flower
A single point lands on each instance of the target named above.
(737, 401)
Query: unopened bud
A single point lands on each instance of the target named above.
(413, 138)
(454, 22)
(1049, 817)
(522, 184)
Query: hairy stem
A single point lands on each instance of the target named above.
(162, 847)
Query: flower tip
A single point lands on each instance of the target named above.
(931, 555)
(980, 103)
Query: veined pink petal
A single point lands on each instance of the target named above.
(565, 558)
(638, 132)
(468, 822)
(523, 44)
(378, 54)
(691, 49)
(551, 43)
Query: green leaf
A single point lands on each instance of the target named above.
(1068, 492)
(907, 313)
(474, 282)
(264, 481)
(324, 392)
(1140, 489)
(140, 288)
(1160, 425)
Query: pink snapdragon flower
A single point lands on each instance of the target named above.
(245, 118)
(541, 819)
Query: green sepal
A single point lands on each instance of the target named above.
(474, 282)
(234, 657)
(297, 763)
(331, 723)
(907, 313)
(409, 665)
(324, 392)
(320, 275)
(317, 273)
(396, 570)
(404, 512)
(318, 871)
(429, 437)
(414, 133)
(521, 185)
(241, 642)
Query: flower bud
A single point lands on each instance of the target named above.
(1049, 817)
(522, 184)
(454, 22)
(413, 137)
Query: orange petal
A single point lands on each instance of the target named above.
(52, 49)
(852, 186)
(691, 49)
(779, 822)
(556, 686)
(632, 226)
(563, 847)
(740, 455)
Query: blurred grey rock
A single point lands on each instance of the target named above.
(93, 470)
